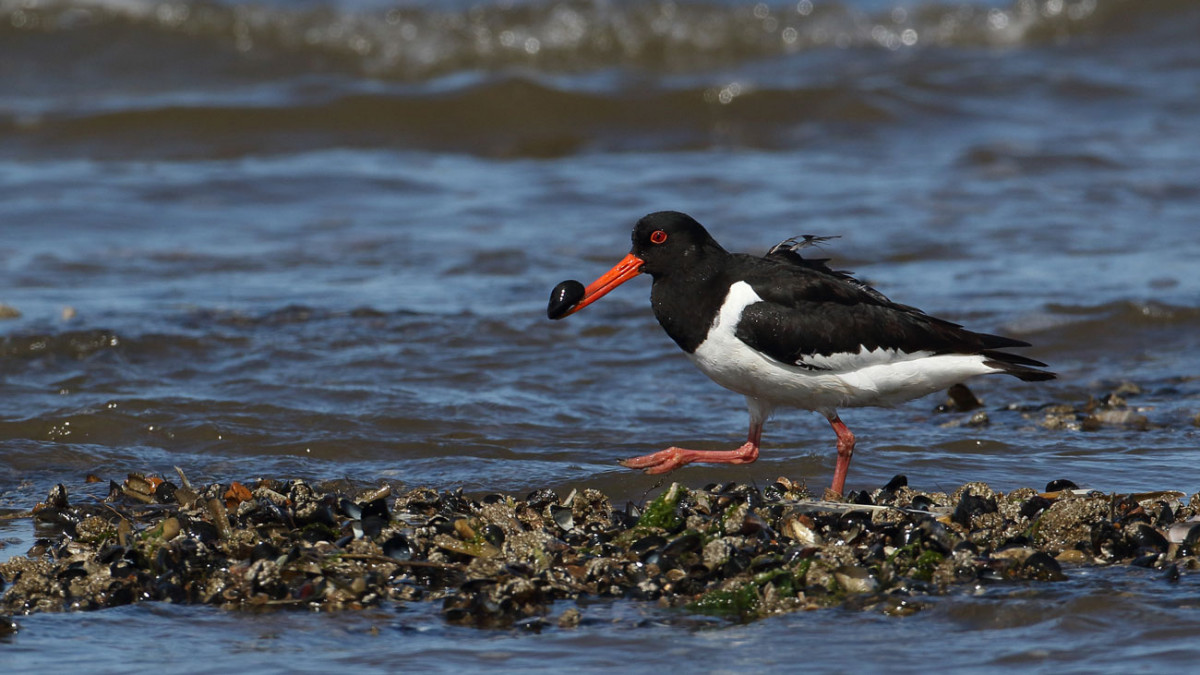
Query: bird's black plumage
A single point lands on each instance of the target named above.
(784, 330)
(807, 309)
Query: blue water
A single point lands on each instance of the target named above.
(317, 240)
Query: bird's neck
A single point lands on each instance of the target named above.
(686, 300)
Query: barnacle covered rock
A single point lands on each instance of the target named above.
(728, 550)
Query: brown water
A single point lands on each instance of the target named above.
(316, 239)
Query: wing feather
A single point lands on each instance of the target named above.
(808, 309)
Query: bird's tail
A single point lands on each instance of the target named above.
(1018, 366)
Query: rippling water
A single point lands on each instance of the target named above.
(316, 239)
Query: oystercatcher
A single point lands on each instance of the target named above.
(784, 330)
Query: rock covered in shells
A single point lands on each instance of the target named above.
(1112, 409)
(728, 549)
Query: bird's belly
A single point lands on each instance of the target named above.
(868, 378)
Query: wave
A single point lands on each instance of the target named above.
(418, 43)
(69, 345)
(135, 79)
(1121, 314)
(509, 117)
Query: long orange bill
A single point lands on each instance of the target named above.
(629, 267)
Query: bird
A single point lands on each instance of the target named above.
(788, 331)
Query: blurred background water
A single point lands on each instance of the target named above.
(316, 238)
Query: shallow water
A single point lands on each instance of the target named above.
(316, 239)
(1106, 620)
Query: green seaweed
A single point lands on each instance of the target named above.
(744, 601)
(741, 602)
(913, 561)
(926, 563)
(663, 511)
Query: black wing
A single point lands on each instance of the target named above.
(809, 309)
(788, 252)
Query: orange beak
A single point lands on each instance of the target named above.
(629, 267)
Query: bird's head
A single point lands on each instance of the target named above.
(663, 242)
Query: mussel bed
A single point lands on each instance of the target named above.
(494, 560)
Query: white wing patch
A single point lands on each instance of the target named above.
(844, 361)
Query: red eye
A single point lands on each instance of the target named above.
(658, 237)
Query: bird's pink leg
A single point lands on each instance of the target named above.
(673, 458)
(845, 449)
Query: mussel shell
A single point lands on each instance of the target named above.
(1034, 505)
(774, 492)
(203, 530)
(1192, 538)
(165, 589)
(972, 505)
(632, 515)
(1149, 539)
(110, 553)
(373, 525)
(165, 492)
(738, 562)
(645, 545)
(264, 550)
(1149, 560)
(398, 547)
(1044, 567)
(75, 570)
(921, 503)
(968, 546)
(687, 542)
(350, 508)
(563, 516)
(377, 508)
(563, 298)
(860, 497)
(1061, 484)
(932, 535)
(1171, 575)
(118, 593)
(538, 499)
(493, 534)
(440, 525)
(851, 518)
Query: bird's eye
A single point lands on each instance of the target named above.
(658, 237)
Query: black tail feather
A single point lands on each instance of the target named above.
(1018, 366)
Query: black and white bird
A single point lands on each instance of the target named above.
(789, 331)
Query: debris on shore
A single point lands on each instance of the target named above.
(728, 550)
